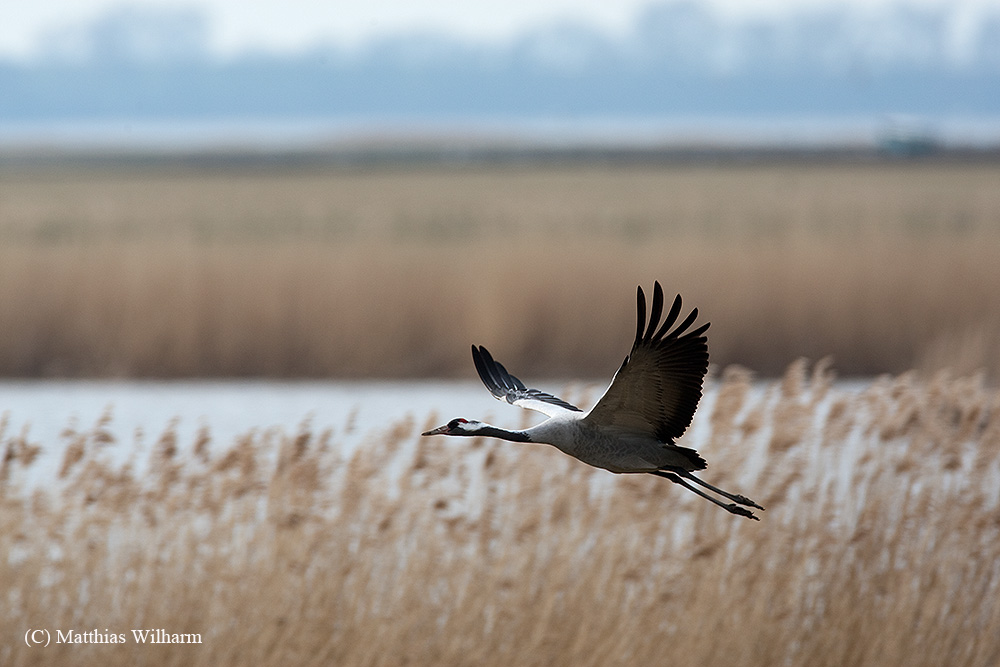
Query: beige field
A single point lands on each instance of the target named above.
(880, 544)
(350, 272)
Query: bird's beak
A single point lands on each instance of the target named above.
(437, 431)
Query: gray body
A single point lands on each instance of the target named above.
(609, 447)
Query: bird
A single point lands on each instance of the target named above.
(633, 427)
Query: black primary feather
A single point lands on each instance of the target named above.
(680, 359)
(659, 383)
(505, 386)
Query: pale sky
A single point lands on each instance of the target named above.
(289, 25)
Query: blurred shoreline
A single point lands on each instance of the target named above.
(528, 140)
(431, 154)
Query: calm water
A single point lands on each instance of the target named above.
(229, 409)
(44, 409)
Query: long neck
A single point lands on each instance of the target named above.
(503, 434)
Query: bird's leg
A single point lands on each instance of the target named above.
(732, 507)
(736, 498)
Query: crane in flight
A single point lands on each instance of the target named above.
(632, 428)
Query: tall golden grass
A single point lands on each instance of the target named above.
(170, 272)
(880, 544)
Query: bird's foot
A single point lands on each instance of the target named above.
(743, 500)
(742, 511)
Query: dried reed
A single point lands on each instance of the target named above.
(392, 273)
(880, 544)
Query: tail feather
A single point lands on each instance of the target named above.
(697, 463)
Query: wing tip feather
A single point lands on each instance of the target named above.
(640, 308)
(653, 331)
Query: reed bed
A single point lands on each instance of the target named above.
(319, 272)
(880, 544)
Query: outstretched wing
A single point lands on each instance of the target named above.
(506, 387)
(657, 388)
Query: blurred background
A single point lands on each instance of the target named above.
(213, 188)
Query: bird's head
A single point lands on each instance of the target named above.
(456, 427)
